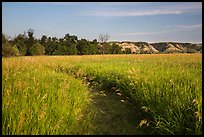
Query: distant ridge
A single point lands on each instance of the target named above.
(160, 47)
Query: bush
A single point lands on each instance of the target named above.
(8, 50)
(37, 49)
(128, 51)
(191, 50)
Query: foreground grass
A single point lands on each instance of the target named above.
(165, 90)
(37, 100)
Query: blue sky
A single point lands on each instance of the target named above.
(123, 21)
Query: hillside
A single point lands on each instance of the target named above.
(160, 47)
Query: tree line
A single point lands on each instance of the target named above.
(27, 45)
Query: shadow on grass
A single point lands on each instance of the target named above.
(112, 114)
(108, 113)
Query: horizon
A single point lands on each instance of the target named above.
(150, 22)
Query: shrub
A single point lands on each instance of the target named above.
(37, 49)
(8, 50)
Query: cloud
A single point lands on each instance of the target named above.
(191, 26)
(92, 3)
(142, 33)
(148, 10)
(185, 6)
(184, 27)
(133, 13)
(170, 29)
(54, 3)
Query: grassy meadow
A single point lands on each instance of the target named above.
(102, 94)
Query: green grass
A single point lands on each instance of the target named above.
(55, 94)
(37, 100)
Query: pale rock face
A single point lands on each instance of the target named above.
(129, 45)
(143, 47)
(171, 48)
(152, 49)
(136, 49)
(148, 49)
(179, 46)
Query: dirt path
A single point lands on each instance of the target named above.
(113, 114)
(109, 113)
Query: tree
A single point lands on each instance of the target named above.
(189, 50)
(8, 50)
(105, 48)
(8, 47)
(70, 38)
(70, 42)
(115, 49)
(94, 41)
(127, 51)
(86, 47)
(30, 41)
(43, 40)
(71, 48)
(54, 39)
(20, 42)
(30, 37)
(16, 50)
(94, 47)
(103, 38)
(60, 50)
(66, 46)
(50, 47)
(4, 40)
(82, 47)
(37, 49)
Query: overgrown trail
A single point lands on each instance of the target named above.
(63, 95)
(108, 113)
(112, 114)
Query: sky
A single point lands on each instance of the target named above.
(122, 21)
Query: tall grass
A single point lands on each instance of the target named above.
(37, 100)
(166, 87)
